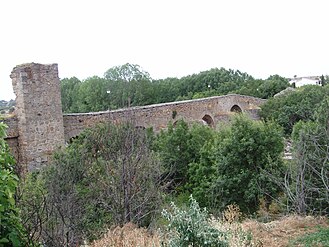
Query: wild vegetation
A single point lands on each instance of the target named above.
(289, 231)
(129, 85)
(295, 106)
(190, 185)
(12, 232)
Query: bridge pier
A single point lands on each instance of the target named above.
(39, 113)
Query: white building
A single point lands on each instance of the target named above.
(307, 80)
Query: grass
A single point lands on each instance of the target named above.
(282, 232)
(128, 236)
(319, 238)
(289, 231)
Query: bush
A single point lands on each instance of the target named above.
(107, 176)
(12, 232)
(318, 238)
(191, 227)
(307, 177)
(178, 147)
(298, 105)
(243, 154)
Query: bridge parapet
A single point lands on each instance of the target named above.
(211, 111)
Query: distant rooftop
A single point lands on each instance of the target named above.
(305, 80)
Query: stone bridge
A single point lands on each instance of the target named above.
(39, 126)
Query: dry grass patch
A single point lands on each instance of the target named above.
(249, 233)
(128, 236)
(278, 233)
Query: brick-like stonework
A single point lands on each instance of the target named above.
(214, 109)
(40, 127)
(39, 113)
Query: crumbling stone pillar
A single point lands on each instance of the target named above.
(39, 113)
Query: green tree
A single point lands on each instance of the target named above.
(292, 107)
(93, 95)
(272, 85)
(172, 146)
(242, 151)
(251, 88)
(202, 173)
(307, 177)
(12, 232)
(131, 86)
(70, 94)
(127, 72)
(219, 81)
(322, 113)
(263, 88)
(179, 146)
(308, 173)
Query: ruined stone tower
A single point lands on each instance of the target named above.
(39, 112)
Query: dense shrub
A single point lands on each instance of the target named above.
(191, 227)
(107, 176)
(307, 177)
(12, 232)
(231, 168)
(179, 146)
(294, 106)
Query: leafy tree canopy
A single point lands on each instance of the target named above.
(179, 146)
(12, 232)
(230, 168)
(308, 174)
(127, 72)
(292, 107)
(241, 152)
(128, 85)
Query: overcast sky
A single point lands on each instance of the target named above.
(168, 38)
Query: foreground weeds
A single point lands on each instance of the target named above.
(318, 238)
(128, 236)
(280, 232)
(289, 231)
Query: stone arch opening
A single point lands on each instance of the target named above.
(236, 109)
(207, 120)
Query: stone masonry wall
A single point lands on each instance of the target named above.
(39, 111)
(217, 109)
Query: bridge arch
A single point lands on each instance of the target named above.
(208, 120)
(236, 109)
